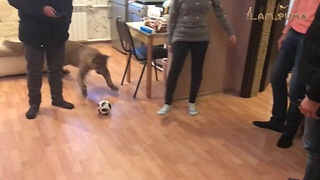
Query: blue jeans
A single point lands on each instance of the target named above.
(288, 60)
(312, 145)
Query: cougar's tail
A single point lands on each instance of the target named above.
(13, 47)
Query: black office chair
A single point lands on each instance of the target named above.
(140, 53)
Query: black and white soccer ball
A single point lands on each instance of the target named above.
(104, 107)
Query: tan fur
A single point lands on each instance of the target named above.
(78, 55)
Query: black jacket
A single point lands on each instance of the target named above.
(310, 63)
(37, 29)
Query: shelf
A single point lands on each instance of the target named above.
(98, 40)
(99, 6)
(79, 5)
(92, 5)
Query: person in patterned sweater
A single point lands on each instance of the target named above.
(188, 31)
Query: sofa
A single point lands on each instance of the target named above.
(11, 63)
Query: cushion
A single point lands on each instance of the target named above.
(8, 20)
(157, 52)
(8, 12)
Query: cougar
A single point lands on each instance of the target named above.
(83, 57)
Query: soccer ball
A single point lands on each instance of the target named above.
(104, 107)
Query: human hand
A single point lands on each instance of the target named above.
(309, 108)
(280, 41)
(169, 47)
(49, 11)
(232, 40)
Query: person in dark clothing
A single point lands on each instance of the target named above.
(310, 74)
(286, 119)
(43, 29)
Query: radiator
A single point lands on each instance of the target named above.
(79, 27)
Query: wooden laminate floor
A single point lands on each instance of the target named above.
(134, 143)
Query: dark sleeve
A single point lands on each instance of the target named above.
(30, 7)
(173, 17)
(310, 60)
(309, 69)
(69, 8)
(314, 89)
(222, 17)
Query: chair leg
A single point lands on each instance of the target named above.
(155, 69)
(135, 93)
(127, 67)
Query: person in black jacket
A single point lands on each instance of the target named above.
(43, 28)
(310, 74)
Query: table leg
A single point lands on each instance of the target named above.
(149, 67)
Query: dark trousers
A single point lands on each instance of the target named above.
(180, 51)
(288, 60)
(35, 56)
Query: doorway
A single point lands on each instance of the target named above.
(265, 32)
(272, 52)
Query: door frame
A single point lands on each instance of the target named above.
(261, 36)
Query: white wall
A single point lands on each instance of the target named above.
(97, 18)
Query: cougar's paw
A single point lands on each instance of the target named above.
(65, 71)
(84, 91)
(115, 88)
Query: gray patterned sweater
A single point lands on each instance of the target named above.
(188, 20)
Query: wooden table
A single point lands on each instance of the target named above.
(150, 40)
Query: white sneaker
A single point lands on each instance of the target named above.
(164, 110)
(192, 109)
